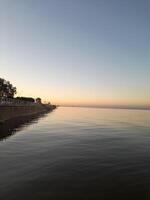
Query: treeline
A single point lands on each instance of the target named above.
(7, 90)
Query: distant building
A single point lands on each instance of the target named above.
(26, 99)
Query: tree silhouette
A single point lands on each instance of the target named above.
(7, 89)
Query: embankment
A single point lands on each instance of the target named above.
(13, 111)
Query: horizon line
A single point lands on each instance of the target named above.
(128, 107)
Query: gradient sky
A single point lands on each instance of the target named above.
(77, 51)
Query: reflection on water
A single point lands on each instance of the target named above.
(78, 153)
(11, 126)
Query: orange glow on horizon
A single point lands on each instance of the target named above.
(78, 98)
(102, 102)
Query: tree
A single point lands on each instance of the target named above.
(7, 89)
(38, 100)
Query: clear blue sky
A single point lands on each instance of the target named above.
(77, 51)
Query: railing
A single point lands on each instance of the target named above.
(15, 102)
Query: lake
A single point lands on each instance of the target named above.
(77, 153)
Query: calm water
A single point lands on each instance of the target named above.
(78, 153)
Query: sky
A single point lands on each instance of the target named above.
(77, 52)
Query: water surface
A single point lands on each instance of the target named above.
(78, 153)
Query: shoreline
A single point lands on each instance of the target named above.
(8, 112)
